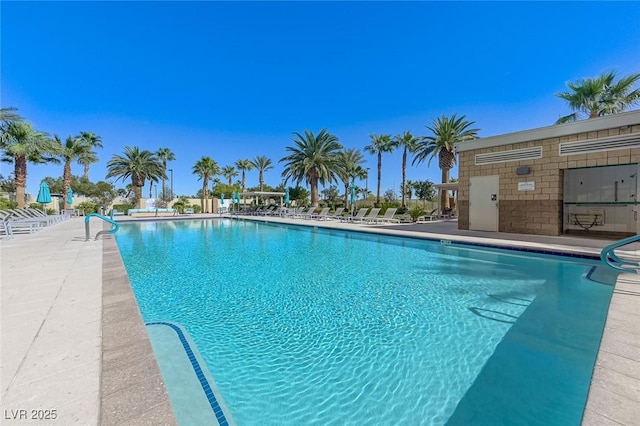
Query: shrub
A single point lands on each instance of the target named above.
(196, 208)
(415, 213)
(6, 204)
(123, 208)
(88, 207)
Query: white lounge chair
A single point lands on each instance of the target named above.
(322, 215)
(370, 218)
(337, 214)
(357, 217)
(388, 216)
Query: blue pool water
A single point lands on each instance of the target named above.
(301, 325)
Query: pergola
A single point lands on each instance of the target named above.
(453, 186)
(254, 195)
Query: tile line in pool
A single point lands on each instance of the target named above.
(198, 370)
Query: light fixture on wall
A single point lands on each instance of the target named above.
(523, 171)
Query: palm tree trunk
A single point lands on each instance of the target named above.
(404, 177)
(314, 191)
(86, 171)
(261, 180)
(379, 177)
(20, 173)
(164, 184)
(137, 191)
(66, 179)
(444, 194)
(243, 180)
(346, 195)
(205, 196)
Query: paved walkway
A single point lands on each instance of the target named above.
(52, 352)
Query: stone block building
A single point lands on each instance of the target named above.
(577, 177)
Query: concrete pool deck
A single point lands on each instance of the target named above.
(73, 340)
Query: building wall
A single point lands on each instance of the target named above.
(539, 211)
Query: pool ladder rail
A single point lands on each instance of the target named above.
(613, 261)
(87, 232)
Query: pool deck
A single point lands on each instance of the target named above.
(74, 347)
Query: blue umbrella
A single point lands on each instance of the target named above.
(222, 199)
(286, 197)
(44, 194)
(353, 194)
(70, 196)
(233, 197)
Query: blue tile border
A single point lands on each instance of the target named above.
(213, 402)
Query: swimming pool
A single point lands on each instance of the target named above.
(302, 325)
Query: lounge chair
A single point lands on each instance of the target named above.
(357, 217)
(291, 213)
(337, 214)
(428, 217)
(301, 214)
(322, 215)
(371, 217)
(388, 216)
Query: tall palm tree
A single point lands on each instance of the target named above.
(380, 144)
(312, 159)
(90, 157)
(21, 143)
(599, 96)
(137, 165)
(263, 164)
(71, 150)
(349, 168)
(205, 168)
(408, 142)
(445, 133)
(165, 155)
(245, 166)
(228, 172)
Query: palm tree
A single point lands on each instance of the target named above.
(205, 168)
(596, 97)
(446, 132)
(165, 155)
(89, 157)
(7, 114)
(380, 144)
(245, 166)
(228, 172)
(312, 159)
(138, 165)
(263, 164)
(21, 143)
(349, 168)
(408, 142)
(73, 149)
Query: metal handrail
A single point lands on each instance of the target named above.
(613, 261)
(87, 232)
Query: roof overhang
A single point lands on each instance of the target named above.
(451, 186)
(622, 120)
(262, 194)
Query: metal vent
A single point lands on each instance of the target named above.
(510, 155)
(602, 144)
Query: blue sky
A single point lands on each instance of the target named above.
(232, 80)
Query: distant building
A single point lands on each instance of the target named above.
(577, 177)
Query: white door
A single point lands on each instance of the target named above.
(483, 203)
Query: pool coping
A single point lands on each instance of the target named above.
(613, 394)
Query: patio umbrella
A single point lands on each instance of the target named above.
(44, 194)
(222, 199)
(70, 196)
(286, 197)
(353, 194)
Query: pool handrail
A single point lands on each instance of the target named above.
(115, 226)
(613, 261)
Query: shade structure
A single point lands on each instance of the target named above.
(286, 196)
(44, 194)
(70, 196)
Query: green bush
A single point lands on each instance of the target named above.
(52, 211)
(88, 207)
(123, 208)
(388, 204)
(415, 213)
(196, 208)
(5, 204)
